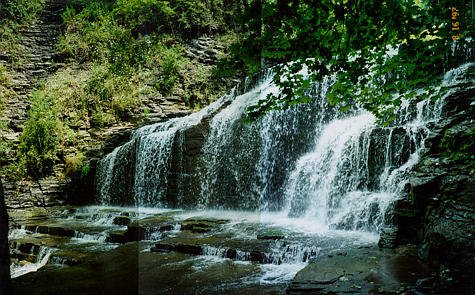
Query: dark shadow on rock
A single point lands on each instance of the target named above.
(5, 287)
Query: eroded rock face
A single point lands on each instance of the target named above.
(363, 271)
(438, 212)
(205, 50)
(4, 249)
(40, 59)
(449, 225)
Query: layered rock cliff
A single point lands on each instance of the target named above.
(438, 212)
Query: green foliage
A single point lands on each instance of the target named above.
(352, 38)
(5, 79)
(100, 118)
(247, 47)
(90, 33)
(70, 100)
(41, 136)
(5, 147)
(6, 90)
(135, 49)
(13, 15)
(185, 17)
(169, 63)
(19, 10)
(67, 89)
(144, 16)
(76, 166)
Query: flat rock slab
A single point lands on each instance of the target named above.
(138, 230)
(51, 230)
(202, 225)
(270, 234)
(361, 271)
(217, 244)
(38, 240)
(71, 257)
(118, 236)
(121, 220)
(34, 214)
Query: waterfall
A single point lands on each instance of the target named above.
(226, 135)
(325, 173)
(245, 165)
(139, 169)
(339, 170)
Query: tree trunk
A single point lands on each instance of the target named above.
(5, 285)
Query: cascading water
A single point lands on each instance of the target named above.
(42, 258)
(311, 161)
(140, 168)
(356, 168)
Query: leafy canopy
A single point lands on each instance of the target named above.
(379, 49)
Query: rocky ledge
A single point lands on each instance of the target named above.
(438, 211)
(366, 270)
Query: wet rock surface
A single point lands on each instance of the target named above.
(202, 225)
(121, 220)
(438, 212)
(130, 270)
(228, 258)
(142, 229)
(367, 270)
(83, 264)
(270, 235)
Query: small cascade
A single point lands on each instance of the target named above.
(280, 253)
(283, 253)
(207, 250)
(99, 237)
(42, 258)
(62, 236)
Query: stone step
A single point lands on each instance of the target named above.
(19, 85)
(39, 65)
(12, 137)
(45, 55)
(51, 230)
(142, 229)
(244, 250)
(16, 125)
(38, 72)
(20, 107)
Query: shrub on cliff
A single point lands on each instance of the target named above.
(135, 49)
(6, 90)
(188, 18)
(13, 15)
(41, 136)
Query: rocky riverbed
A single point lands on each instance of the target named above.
(110, 250)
